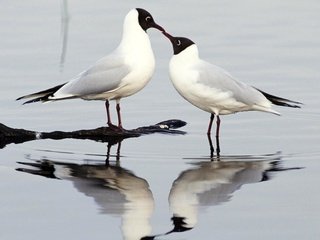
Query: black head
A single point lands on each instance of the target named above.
(178, 43)
(179, 225)
(146, 20)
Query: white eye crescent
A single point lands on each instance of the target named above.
(178, 43)
(148, 18)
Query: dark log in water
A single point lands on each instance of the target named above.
(103, 134)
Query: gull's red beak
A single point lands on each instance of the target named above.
(154, 25)
(168, 35)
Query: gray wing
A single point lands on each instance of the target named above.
(104, 76)
(217, 78)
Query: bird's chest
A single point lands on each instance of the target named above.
(199, 93)
(184, 80)
(142, 69)
(142, 62)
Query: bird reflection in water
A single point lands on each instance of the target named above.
(116, 190)
(210, 183)
(213, 183)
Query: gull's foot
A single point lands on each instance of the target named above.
(116, 128)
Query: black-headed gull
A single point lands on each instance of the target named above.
(211, 88)
(120, 74)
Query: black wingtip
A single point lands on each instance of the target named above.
(27, 102)
(281, 101)
(19, 98)
(284, 104)
(39, 99)
(42, 96)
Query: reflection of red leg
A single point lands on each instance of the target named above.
(119, 115)
(218, 126)
(218, 147)
(108, 153)
(118, 152)
(210, 124)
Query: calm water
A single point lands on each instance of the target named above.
(264, 186)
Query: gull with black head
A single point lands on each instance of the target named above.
(120, 74)
(212, 89)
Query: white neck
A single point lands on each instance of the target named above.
(134, 38)
(190, 54)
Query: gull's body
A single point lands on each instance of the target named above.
(120, 74)
(211, 88)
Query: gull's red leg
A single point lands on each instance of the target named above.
(108, 113)
(119, 115)
(218, 126)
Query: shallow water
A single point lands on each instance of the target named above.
(266, 182)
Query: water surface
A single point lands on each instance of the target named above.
(266, 182)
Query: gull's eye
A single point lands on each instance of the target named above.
(178, 42)
(148, 18)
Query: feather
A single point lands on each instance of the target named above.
(280, 101)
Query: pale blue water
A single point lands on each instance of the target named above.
(266, 183)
